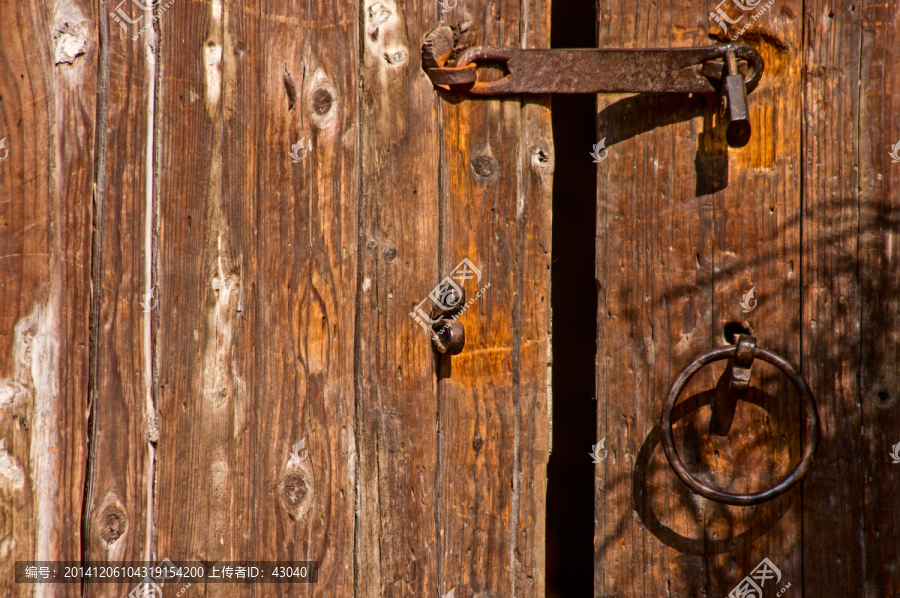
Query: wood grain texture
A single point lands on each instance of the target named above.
(255, 344)
(123, 416)
(494, 425)
(397, 542)
(850, 307)
(47, 109)
(831, 303)
(207, 225)
(687, 226)
(533, 323)
(879, 255)
(258, 270)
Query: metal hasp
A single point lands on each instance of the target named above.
(742, 364)
(732, 70)
(742, 356)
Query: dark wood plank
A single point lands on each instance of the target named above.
(119, 501)
(48, 100)
(686, 226)
(494, 420)
(258, 254)
(879, 254)
(850, 309)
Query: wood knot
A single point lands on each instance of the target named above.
(296, 493)
(295, 489)
(477, 443)
(390, 255)
(289, 89)
(395, 58)
(540, 157)
(112, 524)
(322, 101)
(484, 166)
(378, 14)
(70, 38)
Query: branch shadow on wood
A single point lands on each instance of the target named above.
(880, 286)
(762, 517)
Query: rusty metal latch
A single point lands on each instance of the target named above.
(732, 70)
(742, 364)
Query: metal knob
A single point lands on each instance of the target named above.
(449, 336)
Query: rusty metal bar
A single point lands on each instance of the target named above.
(652, 70)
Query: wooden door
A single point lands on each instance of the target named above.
(215, 219)
(806, 215)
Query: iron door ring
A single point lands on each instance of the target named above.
(756, 498)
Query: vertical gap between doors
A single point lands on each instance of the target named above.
(570, 487)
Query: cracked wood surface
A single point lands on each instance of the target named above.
(47, 108)
(280, 294)
(120, 487)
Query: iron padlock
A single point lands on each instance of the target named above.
(734, 94)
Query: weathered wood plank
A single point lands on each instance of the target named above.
(879, 284)
(532, 321)
(119, 501)
(307, 293)
(397, 543)
(850, 308)
(259, 255)
(497, 170)
(207, 221)
(833, 501)
(686, 226)
(47, 110)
